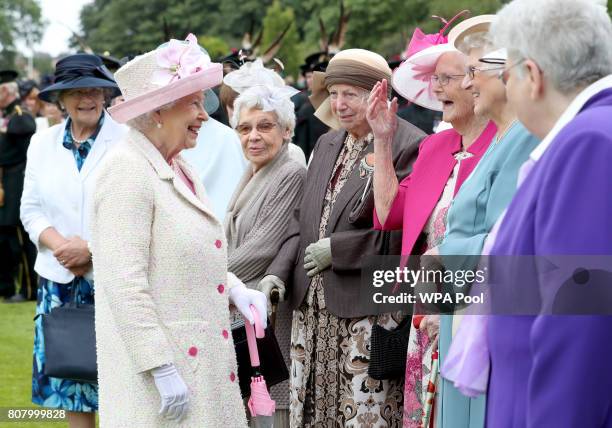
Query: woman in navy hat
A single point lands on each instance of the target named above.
(59, 181)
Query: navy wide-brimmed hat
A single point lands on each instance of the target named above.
(78, 71)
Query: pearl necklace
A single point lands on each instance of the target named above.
(75, 140)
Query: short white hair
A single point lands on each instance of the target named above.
(264, 98)
(12, 88)
(479, 40)
(570, 40)
(145, 121)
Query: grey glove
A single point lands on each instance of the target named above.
(317, 257)
(269, 283)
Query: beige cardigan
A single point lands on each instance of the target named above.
(258, 215)
(160, 268)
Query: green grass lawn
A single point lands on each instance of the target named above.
(16, 339)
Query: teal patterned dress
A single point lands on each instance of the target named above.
(50, 391)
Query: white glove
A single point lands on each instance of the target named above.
(243, 297)
(172, 390)
(269, 283)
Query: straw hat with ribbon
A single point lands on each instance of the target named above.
(170, 72)
(356, 67)
(412, 79)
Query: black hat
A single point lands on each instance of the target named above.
(394, 62)
(8, 76)
(234, 60)
(316, 62)
(110, 62)
(25, 87)
(78, 71)
(46, 80)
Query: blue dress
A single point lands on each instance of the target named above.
(49, 391)
(481, 200)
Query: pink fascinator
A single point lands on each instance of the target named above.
(412, 78)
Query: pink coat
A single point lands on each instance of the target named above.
(419, 193)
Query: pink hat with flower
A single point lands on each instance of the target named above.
(170, 72)
(412, 78)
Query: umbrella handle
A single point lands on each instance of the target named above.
(252, 334)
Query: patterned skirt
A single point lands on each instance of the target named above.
(330, 386)
(419, 375)
(49, 391)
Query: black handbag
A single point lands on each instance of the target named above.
(272, 364)
(70, 341)
(388, 351)
(388, 348)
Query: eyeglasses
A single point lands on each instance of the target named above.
(443, 79)
(504, 75)
(471, 70)
(261, 127)
(85, 92)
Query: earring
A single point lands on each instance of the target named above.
(159, 125)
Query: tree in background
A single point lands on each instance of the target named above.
(215, 46)
(447, 10)
(382, 27)
(135, 26)
(274, 23)
(131, 26)
(240, 17)
(19, 20)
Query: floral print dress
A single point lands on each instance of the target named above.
(329, 382)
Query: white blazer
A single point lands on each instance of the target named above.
(56, 194)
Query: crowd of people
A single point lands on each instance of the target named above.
(179, 196)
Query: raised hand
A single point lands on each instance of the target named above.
(382, 115)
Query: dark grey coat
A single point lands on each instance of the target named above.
(350, 225)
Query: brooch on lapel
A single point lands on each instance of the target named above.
(366, 170)
(366, 166)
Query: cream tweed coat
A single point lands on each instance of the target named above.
(160, 268)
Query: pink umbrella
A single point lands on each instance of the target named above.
(260, 405)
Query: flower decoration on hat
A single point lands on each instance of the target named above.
(412, 79)
(255, 74)
(178, 59)
(268, 84)
(421, 41)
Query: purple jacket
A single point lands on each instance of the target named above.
(555, 371)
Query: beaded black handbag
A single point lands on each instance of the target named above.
(388, 351)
